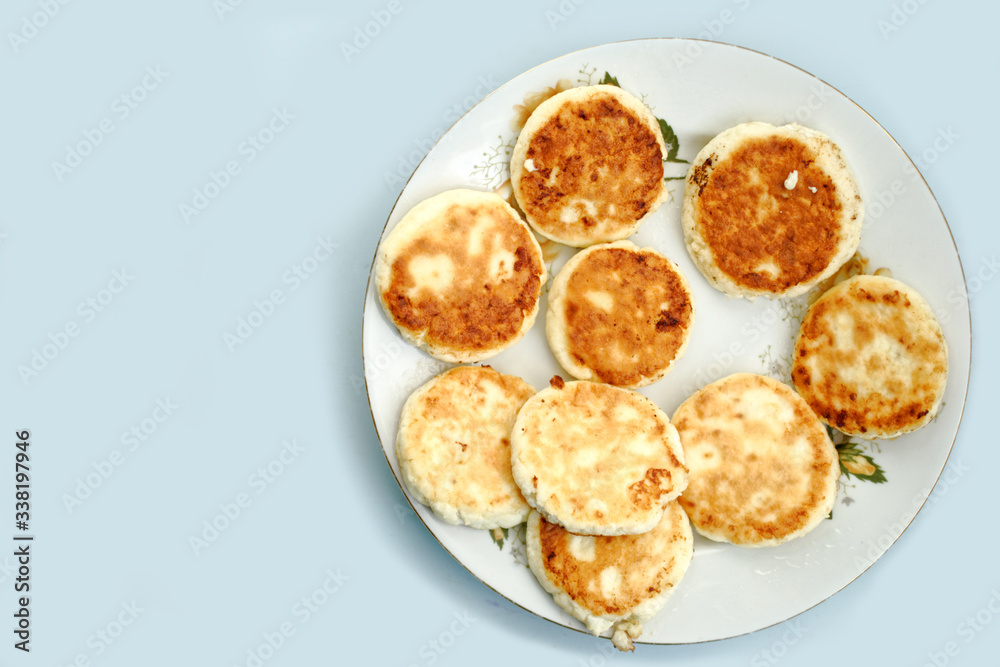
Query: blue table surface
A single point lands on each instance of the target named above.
(190, 196)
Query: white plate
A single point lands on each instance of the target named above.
(701, 88)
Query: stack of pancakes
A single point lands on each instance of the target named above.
(609, 485)
(595, 470)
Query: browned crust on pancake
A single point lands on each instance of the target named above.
(875, 307)
(740, 496)
(603, 153)
(747, 216)
(478, 315)
(648, 326)
(651, 563)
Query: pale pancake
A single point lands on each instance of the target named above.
(762, 467)
(453, 446)
(588, 166)
(460, 275)
(619, 314)
(871, 359)
(596, 459)
(770, 211)
(611, 583)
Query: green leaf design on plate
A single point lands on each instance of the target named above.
(853, 460)
(670, 139)
(855, 463)
(609, 80)
(498, 535)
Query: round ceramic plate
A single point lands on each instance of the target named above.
(699, 89)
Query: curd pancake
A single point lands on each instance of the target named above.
(770, 211)
(762, 468)
(453, 446)
(871, 359)
(461, 275)
(619, 314)
(588, 166)
(596, 459)
(611, 583)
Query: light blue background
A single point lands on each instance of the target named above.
(335, 506)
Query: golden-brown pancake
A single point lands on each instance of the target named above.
(453, 446)
(611, 583)
(588, 166)
(619, 314)
(871, 359)
(770, 211)
(596, 459)
(762, 467)
(460, 275)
